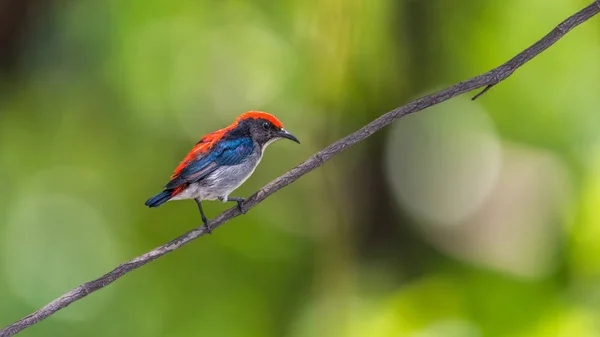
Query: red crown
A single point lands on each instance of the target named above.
(257, 115)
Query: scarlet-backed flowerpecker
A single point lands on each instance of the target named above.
(221, 161)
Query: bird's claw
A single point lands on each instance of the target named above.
(240, 204)
(207, 226)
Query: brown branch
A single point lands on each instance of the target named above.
(486, 80)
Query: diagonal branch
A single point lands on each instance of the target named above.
(487, 80)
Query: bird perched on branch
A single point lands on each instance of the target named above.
(221, 161)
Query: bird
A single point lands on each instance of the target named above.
(222, 161)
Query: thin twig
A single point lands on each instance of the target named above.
(488, 80)
(487, 87)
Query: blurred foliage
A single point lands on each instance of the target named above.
(469, 219)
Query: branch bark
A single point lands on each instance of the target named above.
(487, 80)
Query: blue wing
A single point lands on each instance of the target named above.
(223, 153)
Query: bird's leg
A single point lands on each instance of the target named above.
(204, 219)
(240, 202)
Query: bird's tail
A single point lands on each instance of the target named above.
(159, 199)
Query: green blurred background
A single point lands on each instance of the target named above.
(469, 219)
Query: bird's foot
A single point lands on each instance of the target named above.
(205, 220)
(240, 203)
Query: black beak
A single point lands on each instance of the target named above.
(284, 134)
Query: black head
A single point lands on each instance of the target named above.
(264, 132)
(263, 128)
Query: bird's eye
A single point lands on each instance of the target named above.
(266, 125)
